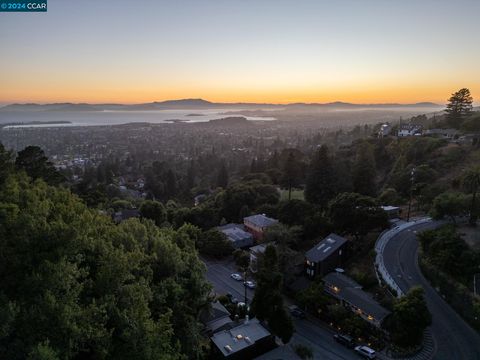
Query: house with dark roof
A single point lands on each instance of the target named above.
(247, 340)
(351, 295)
(327, 255)
(237, 234)
(215, 318)
(257, 224)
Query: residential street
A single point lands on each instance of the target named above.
(306, 331)
(454, 338)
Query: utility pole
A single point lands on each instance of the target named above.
(412, 179)
(245, 286)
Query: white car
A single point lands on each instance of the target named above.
(236, 276)
(250, 284)
(365, 351)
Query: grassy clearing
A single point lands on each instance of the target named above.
(297, 194)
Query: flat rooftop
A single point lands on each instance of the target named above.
(239, 337)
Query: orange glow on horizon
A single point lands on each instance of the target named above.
(402, 95)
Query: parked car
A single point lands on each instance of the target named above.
(344, 340)
(236, 276)
(250, 284)
(366, 352)
(234, 300)
(295, 311)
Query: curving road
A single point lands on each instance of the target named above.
(453, 337)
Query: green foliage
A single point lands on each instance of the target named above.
(292, 171)
(75, 285)
(222, 176)
(445, 249)
(364, 171)
(267, 303)
(450, 204)
(6, 163)
(313, 298)
(303, 351)
(472, 124)
(43, 352)
(321, 179)
(153, 210)
(459, 107)
(410, 318)
(389, 196)
(242, 259)
(214, 243)
(471, 181)
(251, 194)
(356, 214)
(33, 161)
(294, 212)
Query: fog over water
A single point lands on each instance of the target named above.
(92, 118)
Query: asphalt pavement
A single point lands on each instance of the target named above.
(453, 337)
(307, 331)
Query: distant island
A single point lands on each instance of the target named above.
(196, 104)
(195, 114)
(35, 123)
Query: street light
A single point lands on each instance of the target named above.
(412, 179)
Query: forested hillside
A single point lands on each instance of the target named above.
(77, 286)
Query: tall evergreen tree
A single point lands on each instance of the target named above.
(32, 159)
(6, 163)
(222, 177)
(364, 171)
(471, 181)
(267, 303)
(459, 107)
(321, 180)
(291, 173)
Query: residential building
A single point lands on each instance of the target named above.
(215, 318)
(351, 295)
(237, 235)
(393, 212)
(384, 130)
(257, 224)
(255, 252)
(247, 340)
(409, 130)
(324, 257)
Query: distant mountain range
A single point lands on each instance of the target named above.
(204, 104)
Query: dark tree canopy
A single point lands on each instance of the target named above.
(410, 318)
(459, 107)
(75, 285)
(364, 171)
(267, 303)
(321, 179)
(356, 214)
(222, 176)
(32, 159)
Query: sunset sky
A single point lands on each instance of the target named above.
(363, 51)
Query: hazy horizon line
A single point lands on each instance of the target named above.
(30, 102)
